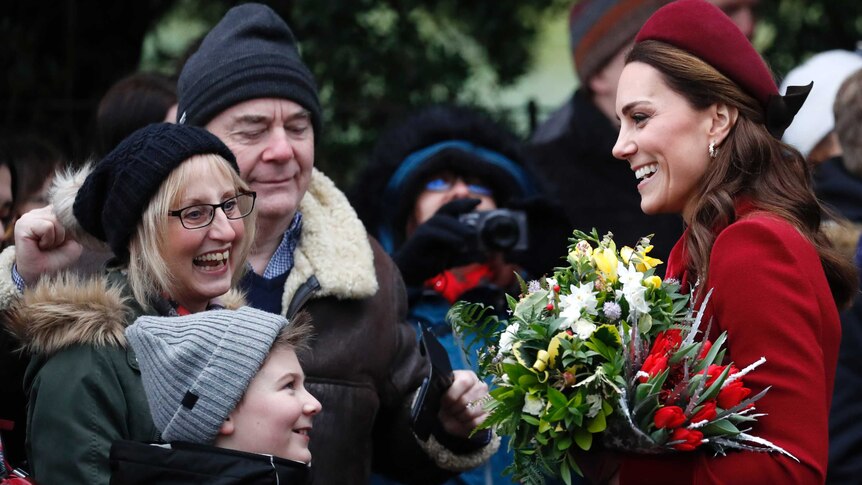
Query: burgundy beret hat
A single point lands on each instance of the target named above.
(703, 30)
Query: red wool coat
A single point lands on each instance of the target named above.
(771, 296)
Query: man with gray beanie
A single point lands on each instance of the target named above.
(226, 392)
(248, 85)
(571, 151)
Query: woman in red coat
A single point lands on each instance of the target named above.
(701, 125)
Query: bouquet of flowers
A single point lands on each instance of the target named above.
(604, 348)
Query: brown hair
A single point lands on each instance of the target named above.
(750, 163)
(296, 335)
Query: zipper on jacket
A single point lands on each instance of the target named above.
(302, 295)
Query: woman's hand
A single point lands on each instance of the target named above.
(461, 409)
(42, 245)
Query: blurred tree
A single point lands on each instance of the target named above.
(58, 58)
(790, 31)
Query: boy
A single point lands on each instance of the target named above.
(227, 394)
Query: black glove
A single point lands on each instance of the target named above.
(547, 233)
(439, 243)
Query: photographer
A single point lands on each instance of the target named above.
(447, 196)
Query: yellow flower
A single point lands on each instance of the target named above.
(653, 282)
(606, 262)
(645, 262)
(541, 360)
(626, 254)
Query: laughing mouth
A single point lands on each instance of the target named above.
(213, 260)
(646, 171)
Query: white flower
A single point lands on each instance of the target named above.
(508, 338)
(581, 299)
(533, 286)
(584, 328)
(633, 289)
(533, 405)
(551, 293)
(595, 403)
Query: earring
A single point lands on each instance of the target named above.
(713, 152)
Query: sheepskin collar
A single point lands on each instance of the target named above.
(333, 246)
(68, 310)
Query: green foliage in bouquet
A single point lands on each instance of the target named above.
(557, 365)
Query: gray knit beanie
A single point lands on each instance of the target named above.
(196, 368)
(251, 53)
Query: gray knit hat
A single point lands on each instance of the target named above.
(251, 53)
(196, 368)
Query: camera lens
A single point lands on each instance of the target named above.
(500, 232)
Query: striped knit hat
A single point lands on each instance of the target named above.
(196, 368)
(598, 29)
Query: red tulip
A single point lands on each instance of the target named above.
(706, 413)
(691, 439)
(654, 365)
(669, 417)
(732, 394)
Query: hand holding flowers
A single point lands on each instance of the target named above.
(605, 348)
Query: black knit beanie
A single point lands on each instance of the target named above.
(111, 201)
(250, 54)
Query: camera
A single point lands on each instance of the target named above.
(498, 229)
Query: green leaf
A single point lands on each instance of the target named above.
(722, 427)
(557, 398)
(583, 438)
(597, 424)
(713, 353)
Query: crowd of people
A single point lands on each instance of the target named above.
(200, 304)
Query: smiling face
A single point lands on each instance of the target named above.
(203, 261)
(273, 141)
(275, 414)
(664, 140)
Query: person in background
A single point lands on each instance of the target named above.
(428, 173)
(839, 185)
(12, 363)
(251, 412)
(36, 159)
(813, 132)
(131, 103)
(248, 85)
(8, 185)
(170, 204)
(743, 13)
(574, 144)
(701, 122)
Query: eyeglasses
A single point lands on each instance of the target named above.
(446, 182)
(201, 215)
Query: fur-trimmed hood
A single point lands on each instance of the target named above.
(67, 310)
(333, 247)
(64, 190)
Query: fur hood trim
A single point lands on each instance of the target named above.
(333, 246)
(67, 309)
(64, 190)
